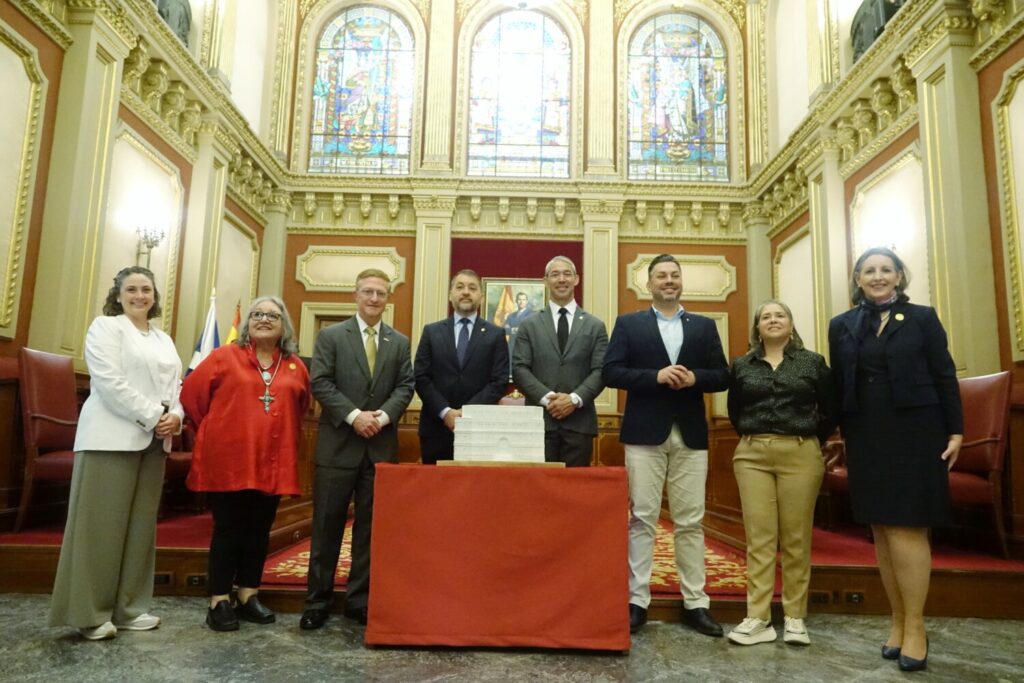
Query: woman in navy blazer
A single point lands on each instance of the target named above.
(903, 425)
(104, 576)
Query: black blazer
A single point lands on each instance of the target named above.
(920, 368)
(636, 353)
(441, 383)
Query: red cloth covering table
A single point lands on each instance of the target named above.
(500, 556)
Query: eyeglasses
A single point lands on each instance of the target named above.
(370, 293)
(265, 315)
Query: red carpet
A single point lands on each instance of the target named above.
(179, 531)
(850, 547)
(726, 568)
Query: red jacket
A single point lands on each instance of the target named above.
(239, 445)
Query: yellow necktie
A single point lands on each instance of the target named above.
(371, 349)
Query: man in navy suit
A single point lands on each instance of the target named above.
(461, 360)
(666, 359)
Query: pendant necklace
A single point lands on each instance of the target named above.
(267, 398)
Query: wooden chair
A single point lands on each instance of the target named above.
(835, 485)
(976, 478)
(49, 410)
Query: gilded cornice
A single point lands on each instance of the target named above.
(280, 200)
(138, 107)
(737, 9)
(352, 230)
(998, 43)
(45, 21)
(113, 12)
(1011, 226)
(866, 153)
(433, 202)
(245, 201)
(944, 26)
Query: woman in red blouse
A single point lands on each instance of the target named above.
(247, 400)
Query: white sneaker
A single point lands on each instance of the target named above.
(752, 631)
(143, 622)
(796, 632)
(102, 632)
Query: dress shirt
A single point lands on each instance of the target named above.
(796, 398)
(570, 314)
(671, 329)
(458, 327)
(383, 418)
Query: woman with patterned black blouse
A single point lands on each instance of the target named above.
(782, 404)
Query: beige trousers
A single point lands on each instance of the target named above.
(105, 572)
(779, 477)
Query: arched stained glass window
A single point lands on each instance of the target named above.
(678, 104)
(363, 94)
(519, 84)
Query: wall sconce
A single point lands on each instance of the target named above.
(149, 239)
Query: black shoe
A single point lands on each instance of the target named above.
(221, 617)
(700, 619)
(359, 614)
(254, 611)
(313, 618)
(911, 664)
(890, 652)
(637, 617)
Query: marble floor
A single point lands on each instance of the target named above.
(844, 649)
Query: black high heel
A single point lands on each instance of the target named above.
(911, 664)
(890, 652)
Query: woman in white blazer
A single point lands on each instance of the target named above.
(105, 574)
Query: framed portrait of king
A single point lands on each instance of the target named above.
(508, 302)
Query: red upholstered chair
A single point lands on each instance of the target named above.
(976, 479)
(49, 410)
(835, 485)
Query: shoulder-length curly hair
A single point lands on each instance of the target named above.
(287, 342)
(113, 307)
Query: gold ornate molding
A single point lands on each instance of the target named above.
(17, 231)
(737, 9)
(313, 310)
(1012, 227)
(334, 268)
(43, 18)
(113, 12)
(998, 43)
(786, 245)
(715, 272)
(945, 26)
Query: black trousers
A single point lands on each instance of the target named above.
(241, 533)
(572, 448)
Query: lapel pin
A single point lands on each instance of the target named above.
(291, 366)
(899, 316)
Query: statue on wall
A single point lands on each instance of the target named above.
(178, 15)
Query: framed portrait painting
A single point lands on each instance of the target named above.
(508, 302)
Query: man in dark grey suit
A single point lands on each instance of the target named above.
(557, 363)
(362, 377)
(461, 360)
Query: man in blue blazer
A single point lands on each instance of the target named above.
(666, 359)
(460, 360)
(556, 362)
(362, 376)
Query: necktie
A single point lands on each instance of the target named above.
(371, 349)
(463, 343)
(563, 328)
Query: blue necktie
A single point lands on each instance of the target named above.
(463, 343)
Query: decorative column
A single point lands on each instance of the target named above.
(284, 69)
(956, 207)
(275, 239)
(218, 41)
(437, 129)
(76, 197)
(825, 47)
(829, 260)
(601, 271)
(759, 254)
(600, 157)
(202, 230)
(433, 260)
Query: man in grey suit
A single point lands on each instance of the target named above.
(362, 376)
(557, 363)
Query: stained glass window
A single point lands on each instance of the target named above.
(678, 101)
(519, 84)
(363, 94)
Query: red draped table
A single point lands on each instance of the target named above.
(500, 556)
